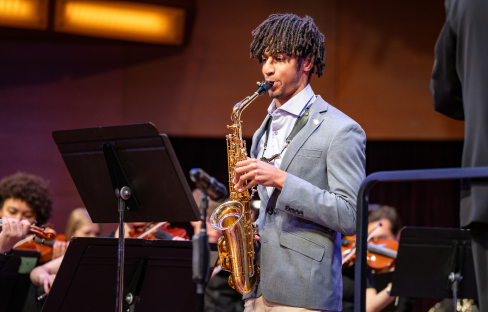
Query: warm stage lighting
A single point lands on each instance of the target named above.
(24, 13)
(121, 20)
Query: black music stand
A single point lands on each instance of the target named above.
(159, 276)
(15, 279)
(434, 263)
(131, 167)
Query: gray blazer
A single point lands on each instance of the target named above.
(300, 246)
(459, 88)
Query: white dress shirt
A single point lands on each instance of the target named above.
(281, 125)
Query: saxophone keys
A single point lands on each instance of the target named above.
(227, 264)
(247, 217)
(224, 246)
(222, 264)
(231, 282)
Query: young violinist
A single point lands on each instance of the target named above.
(79, 225)
(13, 231)
(389, 230)
(24, 198)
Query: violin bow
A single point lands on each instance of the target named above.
(153, 229)
(370, 236)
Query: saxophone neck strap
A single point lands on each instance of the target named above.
(300, 122)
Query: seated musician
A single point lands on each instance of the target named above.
(390, 230)
(80, 225)
(13, 231)
(24, 198)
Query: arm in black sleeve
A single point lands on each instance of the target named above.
(4, 258)
(445, 85)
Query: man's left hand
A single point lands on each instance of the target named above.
(258, 172)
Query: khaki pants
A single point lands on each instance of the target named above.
(262, 305)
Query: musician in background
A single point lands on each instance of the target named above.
(13, 231)
(377, 298)
(79, 225)
(391, 224)
(24, 198)
(308, 182)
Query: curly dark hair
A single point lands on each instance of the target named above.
(293, 35)
(31, 189)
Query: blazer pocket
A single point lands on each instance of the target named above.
(311, 153)
(302, 245)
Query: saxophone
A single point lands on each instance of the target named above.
(233, 218)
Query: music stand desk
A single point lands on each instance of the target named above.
(425, 259)
(85, 280)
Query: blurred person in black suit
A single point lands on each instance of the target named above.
(459, 88)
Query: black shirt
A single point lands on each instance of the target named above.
(348, 288)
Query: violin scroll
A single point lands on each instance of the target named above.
(40, 232)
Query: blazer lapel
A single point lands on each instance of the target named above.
(257, 135)
(314, 121)
(263, 194)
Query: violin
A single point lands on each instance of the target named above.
(42, 241)
(153, 230)
(40, 232)
(381, 254)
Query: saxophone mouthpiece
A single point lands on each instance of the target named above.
(264, 87)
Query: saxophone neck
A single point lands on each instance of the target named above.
(263, 87)
(241, 106)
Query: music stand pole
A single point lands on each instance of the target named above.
(122, 196)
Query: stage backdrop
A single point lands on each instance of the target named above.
(379, 59)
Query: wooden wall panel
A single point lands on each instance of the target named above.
(385, 59)
(53, 87)
(192, 93)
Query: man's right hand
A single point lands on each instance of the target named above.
(13, 231)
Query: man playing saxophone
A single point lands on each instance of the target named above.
(308, 161)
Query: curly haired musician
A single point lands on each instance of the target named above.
(309, 187)
(24, 198)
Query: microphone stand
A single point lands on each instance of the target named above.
(201, 256)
